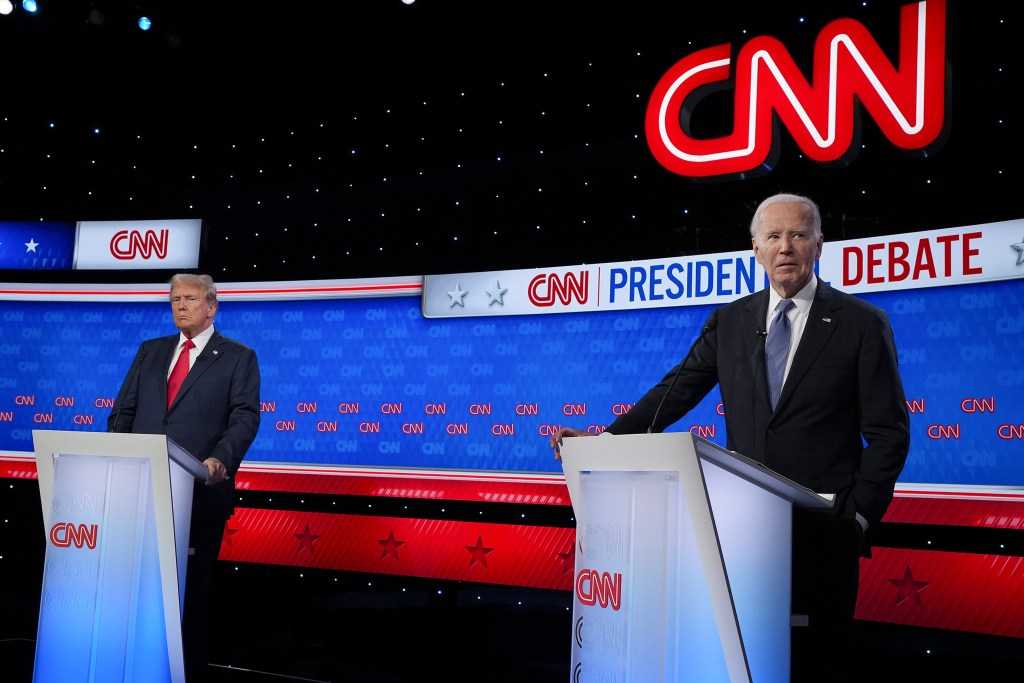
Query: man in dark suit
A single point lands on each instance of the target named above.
(840, 424)
(214, 415)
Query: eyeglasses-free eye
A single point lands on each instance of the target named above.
(189, 300)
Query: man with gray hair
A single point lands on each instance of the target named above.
(811, 389)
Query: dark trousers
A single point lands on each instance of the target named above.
(826, 577)
(205, 537)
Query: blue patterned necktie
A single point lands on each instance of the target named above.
(776, 350)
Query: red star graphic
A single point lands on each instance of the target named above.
(568, 559)
(228, 533)
(908, 588)
(479, 552)
(389, 546)
(305, 540)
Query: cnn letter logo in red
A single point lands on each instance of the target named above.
(65, 535)
(907, 101)
(599, 588)
(545, 289)
(128, 244)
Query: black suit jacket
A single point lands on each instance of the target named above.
(841, 425)
(215, 414)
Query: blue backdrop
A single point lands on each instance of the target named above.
(370, 382)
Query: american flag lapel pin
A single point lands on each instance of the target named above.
(828, 320)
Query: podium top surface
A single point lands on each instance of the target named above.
(758, 473)
(664, 453)
(49, 442)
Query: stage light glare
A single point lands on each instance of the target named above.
(6, 7)
(145, 24)
(29, 5)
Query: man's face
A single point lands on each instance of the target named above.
(192, 313)
(786, 247)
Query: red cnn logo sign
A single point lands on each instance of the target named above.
(906, 101)
(599, 588)
(65, 535)
(129, 244)
(544, 289)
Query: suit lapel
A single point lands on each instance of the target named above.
(169, 346)
(753, 319)
(204, 361)
(822, 321)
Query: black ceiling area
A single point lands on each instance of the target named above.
(366, 138)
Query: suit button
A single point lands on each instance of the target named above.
(771, 432)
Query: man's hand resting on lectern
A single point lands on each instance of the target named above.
(556, 439)
(217, 471)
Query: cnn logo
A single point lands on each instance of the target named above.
(907, 100)
(129, 244)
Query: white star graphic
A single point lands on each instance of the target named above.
(457, 296)
(1020, 251)
(31, 245)
(496, 294)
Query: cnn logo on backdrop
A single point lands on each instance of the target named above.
(129, 244)
(138, 244)
(907, 100)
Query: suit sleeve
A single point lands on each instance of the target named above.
(885, 421)
(679, 391)
(122, 413)
(243, 419)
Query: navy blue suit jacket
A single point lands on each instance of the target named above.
(215, 414)
(841, 425)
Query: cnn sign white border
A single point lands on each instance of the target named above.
(137, 245)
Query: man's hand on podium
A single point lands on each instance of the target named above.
(556, 439)
(217, 471)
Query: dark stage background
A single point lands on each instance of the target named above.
(373, 138)
(370, 138)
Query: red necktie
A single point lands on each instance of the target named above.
(179, 372)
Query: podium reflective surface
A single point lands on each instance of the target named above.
(281, 625)
(116, 511)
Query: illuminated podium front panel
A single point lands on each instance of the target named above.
(116, 511)
(683, 565)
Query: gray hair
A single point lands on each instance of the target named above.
(204, 282)
(811, 212)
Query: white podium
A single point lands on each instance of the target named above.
(683, 564)
(116, 510)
